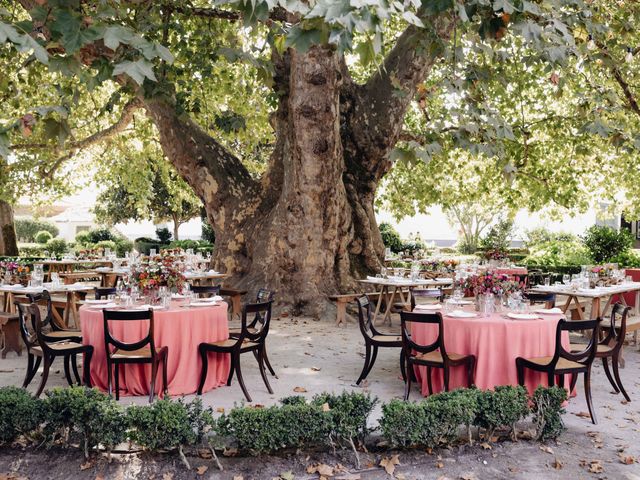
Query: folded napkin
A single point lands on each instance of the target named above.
(102, 306)
(369, 277)
(462, 314)
(434, 306)
(213, 272)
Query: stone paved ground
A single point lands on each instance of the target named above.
(320, 357)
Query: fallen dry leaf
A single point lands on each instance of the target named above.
(205, 453)
(468, 476)
(316, 369)
(286, 475)
(627, 459)
(86, 465)
(582, 414)
(486, 446)
(594, 466)
(167, 476)
(201, 469)
(321, 469)
(325, 407)
(546, 449)
(389, 464)
(300, 390)
(557, 464)
(220, 409)
(238, 477)
(439, 465)
(230, 452)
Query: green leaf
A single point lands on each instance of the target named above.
(302, 40)
(138, 70)
(411, 18)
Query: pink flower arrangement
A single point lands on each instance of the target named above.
(490, 282)
(164, 270)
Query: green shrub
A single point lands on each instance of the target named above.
(123, 246)
(82, 238)
(539, 235)
(57, 246)
(628, 259)
(20, 413)
(556, 253)
(26, 229)
(349, 412)
(408, 424)
(163, 425)
(455, 408)
(43, 237)
(604, 243)
(502, 407)
(87, 413)
(31, 251)
(104, 244)
(207, 233)
(498, 237)
(293, 400)
(164, 235)
(547, 412)
(391, 237)
(99, 235)
(264, 430)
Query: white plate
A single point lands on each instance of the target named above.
(523, 316)
(178, 295)
(435, 306)
(462, 302)
(103, 306)
(461, 314)
(96, 302)
(202, 304)
(549, 311)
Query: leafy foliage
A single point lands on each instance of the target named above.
(26, 229)
(502, 407)
(547, 412)
(19, 413)
(604, 243)
(57, 246)
(498, 238)
(557, 253)
(163, 234)
(390, 237)
(349, 412)
(43, 237)
(540, 235)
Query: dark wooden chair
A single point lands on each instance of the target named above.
(425, 295)
(610, 347)
(374, 339)
(42, 347)
(142, 351)
(548, 299)
(433, 355)
(247, 341)
(567, 363)
(104, 292)
(263, 295)
(206, 290)
(55, 331)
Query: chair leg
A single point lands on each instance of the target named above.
(374, 355)
(616, 373)
(45, 375)
(239, 375)
(232, 370)
(31, 369)
(551, 378)
(407, 382)
(471, 368)
(429, 384)
(445, 374)
(561, 381)
(403, 370)
(154, 374)
(263, 372)
(165, 387)
(605, 364)
(67, 372)
(74, 366)
(117, 373)
(366, 364)
(574, 380)
(520, 369)
(268, 363)
(205, 368)
(587, 395)
(86, 366)
(109, 378)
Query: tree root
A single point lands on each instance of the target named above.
(355, 452)
(184, 458)
(215, 457)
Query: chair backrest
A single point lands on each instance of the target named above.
(546, 298)
(128, 316)
(206, 290)
(104, 292)
(364, 316)
(33, 311)
(419, 295)
(27, 325)
(263, 310)
(618, 327)
(45, 296)
(586, 356)
(264, 295)
(409, 345)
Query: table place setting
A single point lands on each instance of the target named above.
(549, 311)
(428, 307)
(461, 314)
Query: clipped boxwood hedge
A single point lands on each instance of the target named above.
(78, 415)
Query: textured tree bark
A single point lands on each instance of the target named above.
(8, 241)
(307, 228)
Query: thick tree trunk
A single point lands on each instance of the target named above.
(8, 241)
(176, 227)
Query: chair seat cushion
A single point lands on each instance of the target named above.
(59, 346)
(230, 342)
(562, 364)
(387, 338)
(601, 348)
(64, 333)
(144, 352)
(436, 356)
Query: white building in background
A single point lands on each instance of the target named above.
(72, 221)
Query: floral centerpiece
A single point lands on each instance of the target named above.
(90, 253)
(164, 270)
(14, 271)
(446, 266)
(490, 282)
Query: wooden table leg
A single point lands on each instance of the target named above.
(595, 307)
(387, 313)
(381, 294)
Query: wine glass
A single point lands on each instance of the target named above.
(566, 279)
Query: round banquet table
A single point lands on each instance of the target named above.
(496, 342)
(181, 329)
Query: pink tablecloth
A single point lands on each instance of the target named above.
(629, 298)
(179, 329)
(511, 271)
(496, 342)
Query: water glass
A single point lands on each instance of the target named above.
(152, 252)
(547, 281)
(628, 279)
(566, 279)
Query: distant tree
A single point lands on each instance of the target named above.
(27, 228)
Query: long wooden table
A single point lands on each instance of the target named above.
(389, 288)
(598, 296)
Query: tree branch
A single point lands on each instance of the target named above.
(381, 104)
(626, 89)
(277, 14)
